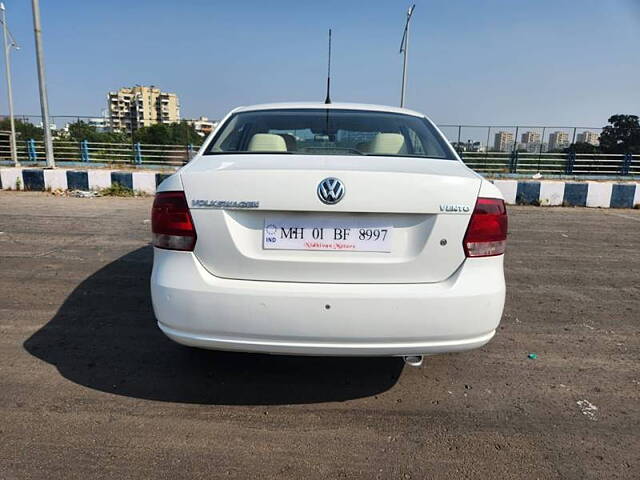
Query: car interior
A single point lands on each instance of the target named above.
(381, 144)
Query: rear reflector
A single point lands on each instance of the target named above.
(171, 222)
(487, 231)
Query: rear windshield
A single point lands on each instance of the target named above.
(329, 132)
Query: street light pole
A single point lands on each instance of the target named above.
(7, 62)
(404, 48)
(44, 101)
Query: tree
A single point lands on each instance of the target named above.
(168, 134)
(186, 134)
(158, 133)
(582, 147)
(622, 135)
(80, 131)
(24, 130)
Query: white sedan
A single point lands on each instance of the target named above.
(339, 229)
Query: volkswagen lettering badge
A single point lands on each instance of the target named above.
(330, 191)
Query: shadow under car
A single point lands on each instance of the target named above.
(105, 337)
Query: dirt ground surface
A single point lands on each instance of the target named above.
(90, 388)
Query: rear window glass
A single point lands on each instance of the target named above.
(329, 132)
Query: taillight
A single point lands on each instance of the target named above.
(487, 231)
(171, 222)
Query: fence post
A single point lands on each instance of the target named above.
(84, 150)
(626, 163)
(486, 150)
(31, 150)
(571, 160)
(189, 151)
(513, 162)
(137, 151)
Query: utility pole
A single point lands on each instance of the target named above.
(44, 101)
(7, 63)
(404, 48)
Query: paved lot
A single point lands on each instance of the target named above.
(89, 388)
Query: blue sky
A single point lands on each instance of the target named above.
(477, 62)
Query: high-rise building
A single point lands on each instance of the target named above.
(588, 137)
(503, 142)
(530, 137)
(558, 140)
(136, 107)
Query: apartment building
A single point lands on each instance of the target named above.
(530, 137)
(503, 142)
(558, 140)
(588, 137)
(139, 106)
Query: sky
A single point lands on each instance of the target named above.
(498, 62)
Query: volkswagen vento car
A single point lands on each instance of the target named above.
(328, 229)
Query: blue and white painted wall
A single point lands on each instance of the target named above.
(602, 194)
(95, 179)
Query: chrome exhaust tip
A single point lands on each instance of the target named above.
(413, 360)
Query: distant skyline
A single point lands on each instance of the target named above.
(493, 62)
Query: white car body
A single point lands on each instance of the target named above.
(422, 295)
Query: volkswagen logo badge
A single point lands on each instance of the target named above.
(330, 191)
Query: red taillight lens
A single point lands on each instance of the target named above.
(487, 231)
(171, 222)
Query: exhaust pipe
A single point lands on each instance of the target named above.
(413, 360)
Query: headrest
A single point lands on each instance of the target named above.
(290, 141)
(267, 142)
(388, 144)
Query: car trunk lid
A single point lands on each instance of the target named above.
(425, 204)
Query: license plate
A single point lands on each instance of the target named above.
(318, 233)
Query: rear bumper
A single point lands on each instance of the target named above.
(196, 308)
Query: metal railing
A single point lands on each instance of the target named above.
(33, 152)
(553, 163)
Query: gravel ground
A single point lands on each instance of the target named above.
(89, 388)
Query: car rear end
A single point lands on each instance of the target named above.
(254, 251)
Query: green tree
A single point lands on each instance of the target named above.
(24, 130)
(622, 135)
(114, 137)
(186, 134)
(83, 131)
(582, 147)
(168, 134)
(157, 134)
(80, 130)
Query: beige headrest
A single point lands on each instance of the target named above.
(267, 142)
(388, 144)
